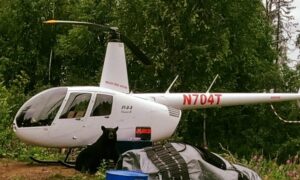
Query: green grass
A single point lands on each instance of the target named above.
(268, 169)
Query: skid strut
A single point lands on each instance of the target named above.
(54, 162)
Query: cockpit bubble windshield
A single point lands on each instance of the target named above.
(41, 109)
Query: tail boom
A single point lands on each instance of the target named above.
(184, 101)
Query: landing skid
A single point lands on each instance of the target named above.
(43, 161)
(65, 162)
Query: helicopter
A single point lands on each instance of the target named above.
(69, 117)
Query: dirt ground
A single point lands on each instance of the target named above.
(10, 169)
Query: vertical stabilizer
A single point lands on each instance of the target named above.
(114, 74)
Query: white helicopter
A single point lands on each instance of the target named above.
(69, 117)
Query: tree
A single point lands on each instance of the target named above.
(278, 12)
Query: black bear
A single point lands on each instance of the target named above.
(104, 148)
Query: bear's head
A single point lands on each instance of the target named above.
(110, 133)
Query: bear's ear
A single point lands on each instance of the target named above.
(116, 128)
(103, 128)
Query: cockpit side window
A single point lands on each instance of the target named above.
(76, 105)
(103, 105)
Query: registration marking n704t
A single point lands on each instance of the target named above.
(201, 99)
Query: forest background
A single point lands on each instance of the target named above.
(242, 41)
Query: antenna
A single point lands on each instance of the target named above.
(51, 52)
(213, 82)
(298, 101)
(168, 90)
(50, 63)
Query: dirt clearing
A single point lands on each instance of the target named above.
(10, 169)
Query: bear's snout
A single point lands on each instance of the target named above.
(111, 135)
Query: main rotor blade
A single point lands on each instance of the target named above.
(135, 50)
(106, 28)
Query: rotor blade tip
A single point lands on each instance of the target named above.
(52, 21)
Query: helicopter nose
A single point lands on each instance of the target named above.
(35, 136)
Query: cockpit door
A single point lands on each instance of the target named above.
(71, 126)
(81, 117)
